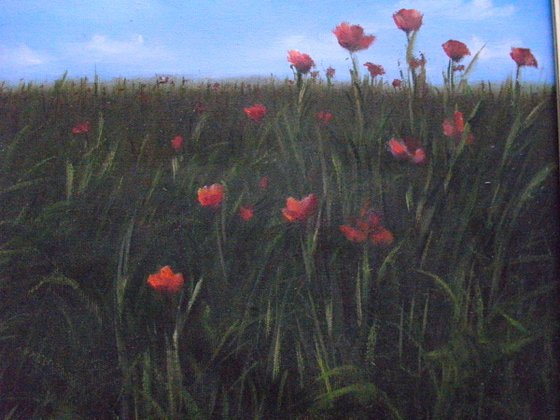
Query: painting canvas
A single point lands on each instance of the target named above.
(278, 209)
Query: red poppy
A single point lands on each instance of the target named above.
(256, 112)
(417, 62)
(301, 62)
(330, 72)
(216, 87)
(455, 50)
(325, 117)
(211, 196)
(199, 108)
(314, 74)
(263, 183)
(166, 281)
(523, 57)
(407, 149)
(246, 213)
(177, 143)
(408, 20)
(458, 68)
(300, 210)
(397, 83)
(368, 225)
(455, 128)
(81, 128)
(352, 37)
(374, 69)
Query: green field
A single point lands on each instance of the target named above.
(455, 317)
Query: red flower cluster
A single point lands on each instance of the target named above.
(166, 281)
(368, 225)
(256, 112)
(246, 213)
(352, 37)
(301, 62)
(325, 117)
(408, 20)
(407, 149)
(523, 57)
(81, 128)
(455, 50)
(455, 128)
(211, 196)
(300, 210)
(177, 143)
(374, 69)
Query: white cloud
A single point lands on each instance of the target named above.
(494, 50)
(21, 56)
(474, 10)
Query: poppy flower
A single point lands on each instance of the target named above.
(458, 68)
(256, 112)
(352, 37)
(300, 210)
(211, 196)
(199, 108)
(455, 50)
(397, 83)
(325, 117)
(263, 183)
(407, 149)
(166, 281)
(216, 87)
(368, 225)
(417, 62)
(246, 213)
(330, 72)
(177, 143)
(455, 128)
(81, 128)
(314, 74)
(523, 57)
(301, 62)
(374, 69)
(408, 20)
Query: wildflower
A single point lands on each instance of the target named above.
(246, 213)
(408, 20)
(314, 75)
(455, 50)
(523, 57)
(417, 62)
(374, 69)
(199, 108)
(330, 72)
(352, 37)
(216, 87)
(81, 128)
(301, 62)
(368, 225)
(397, 83)
(455, 128)
(300, 210)
(166, 281)
(263, 183)
(324, 117)
(407, 149)
(458, 68)
(211, 196)
(177, 143)
(256, 112)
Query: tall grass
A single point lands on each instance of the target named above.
(455, 319)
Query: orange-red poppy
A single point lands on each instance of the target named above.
(211, 196)
(256, 112)
(408, 20)
(523, 57)
(166, 281)
(455, 50)
(374, 69)
(455, 128)
(300, 210)
(368, 226)
(177, 143)
(408, 148)
(246, 213)
(81, 128)
(352, 37)
(325, 117)
(301, 62)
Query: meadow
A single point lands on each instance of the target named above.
(357, 250)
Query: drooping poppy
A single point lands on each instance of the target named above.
(300, 210)
(256, 112)
(246, 213)
(166, 281)
(81, 128)
(352, 37)
(301, 62)
(454, 128)
(523, 57)
(374, 69)
(455, 50)
(211, 196)
(177, 143)
(408, 20)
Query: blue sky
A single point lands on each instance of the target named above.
(200, 39)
